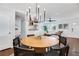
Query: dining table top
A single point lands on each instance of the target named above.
(40, 41)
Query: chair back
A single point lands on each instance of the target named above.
(47, 34)
(30, 35)
(62, 40)
(16, 41)
(19, 51)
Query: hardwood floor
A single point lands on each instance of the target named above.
(6, 52)
(73, 43)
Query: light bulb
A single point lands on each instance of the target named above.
(29, 7)
(38, 6)
(44, 9)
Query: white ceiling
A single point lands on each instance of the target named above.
(54, 10)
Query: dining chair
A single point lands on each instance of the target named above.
(62, 45)
(16, 42)
(19, 51)
(60, 51)
(62, 42)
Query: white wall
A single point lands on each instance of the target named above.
(68, 32)
(75, 27)
(7, 26)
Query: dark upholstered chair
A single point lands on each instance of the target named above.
(59, 52)
(19, 51)
(62, 42)
(62, 46)
(16, 42)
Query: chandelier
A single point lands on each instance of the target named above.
(37, 18)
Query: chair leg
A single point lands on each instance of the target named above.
(67, 51)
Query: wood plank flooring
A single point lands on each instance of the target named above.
(6, 52)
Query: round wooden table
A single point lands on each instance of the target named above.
(40, 43)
